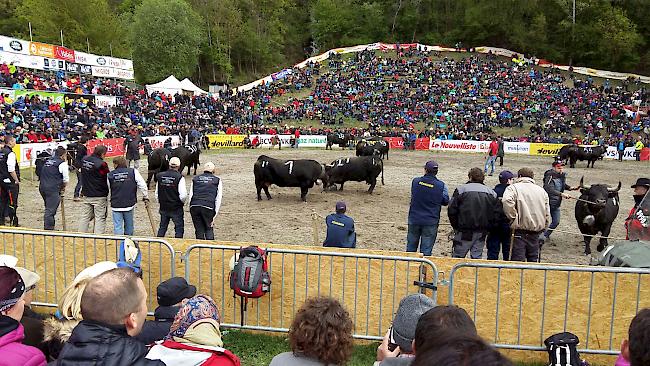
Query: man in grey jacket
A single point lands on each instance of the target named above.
(526, 205)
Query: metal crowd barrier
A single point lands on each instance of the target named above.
(59, 256)
(596, 305)
(369, 286)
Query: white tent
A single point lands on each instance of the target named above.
(171, 85)
(188, 85)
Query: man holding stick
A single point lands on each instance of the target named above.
(53, 180)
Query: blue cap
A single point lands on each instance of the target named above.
(340, 206)
(431, 166)
(505, 175)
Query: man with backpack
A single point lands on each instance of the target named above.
(340, 229)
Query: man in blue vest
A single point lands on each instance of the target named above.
(340, 229)
(171, 194)
(428, 195)
(54, 177)
(205, 201)
(94, 188)
(125, 183)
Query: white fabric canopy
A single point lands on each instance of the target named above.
(171, 85)
(188, 85)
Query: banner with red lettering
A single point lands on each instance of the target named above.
(460, 145)
(64, 53)
(159, 142)
(115, 146)
(395, 142)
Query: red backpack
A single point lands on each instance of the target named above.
(250, 277)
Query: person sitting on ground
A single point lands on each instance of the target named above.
(320, 335)
(57, 330)
(12, 304)
(340, 229)
(194, 338)
(170, 294)
(462, 350)
(114, 307)
(635, 350)
(400, 336)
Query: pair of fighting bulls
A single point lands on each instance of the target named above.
(305, 173)
(158, 159)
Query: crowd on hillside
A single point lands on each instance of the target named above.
(101, 320)
(416, 92)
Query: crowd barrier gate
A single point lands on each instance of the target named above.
(44, 252)
(612, 297)
(369, 286)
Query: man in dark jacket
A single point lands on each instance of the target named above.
(471, 213)
(499, 236)
(170, 295)
(205, 200)
(171, 193)
(428, 194)
(114, 308)
(95, 190)
(132, 144)
(340, 229)
(80, 153)
(53, 180)
(555, 185)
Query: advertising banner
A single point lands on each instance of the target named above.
(115, 146)
(14, 45)
(20, 60)
(63, 53)
(159, 141)
(53, 64)
(236, 141)
(459, 145)
(544, 149)
(395, 142)
(422, 143)
(41, 49)
(612, 153)
(303, 141)
(123, 74)
(516, 147)
(105, 101)
(99, 71)
(79, 98)
(26, 153)
(75, 68)
(57, 98)
(119, 63)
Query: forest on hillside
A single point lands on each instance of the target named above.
(230, 40)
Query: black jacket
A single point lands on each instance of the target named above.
(473, 207)
(554, 185)
(99, 344)
(155, 330)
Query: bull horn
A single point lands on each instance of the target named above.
(617, 188)
(582, 183)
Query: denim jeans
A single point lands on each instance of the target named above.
(123, 222)
(177, 217)
(422, 235)
(489, 162)
(498, 240)
(555, 221)
(77, 188)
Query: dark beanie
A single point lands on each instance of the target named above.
(12, 287)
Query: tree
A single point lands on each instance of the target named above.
(165, 37)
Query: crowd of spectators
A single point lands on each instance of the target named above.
(417, 92)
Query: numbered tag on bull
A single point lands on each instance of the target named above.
(342, 162)
(290, 164)
(191, 148)
(264, 164)
(383, 142)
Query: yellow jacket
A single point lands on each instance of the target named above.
(639, 145)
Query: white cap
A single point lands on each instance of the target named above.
(29, 278)
(175, 162)
(8, 260)
(94, 271)
(208, 167)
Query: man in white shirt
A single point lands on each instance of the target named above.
(171, 193)
(53, 180)
(205, 201)
(9, 182)
(124, 183)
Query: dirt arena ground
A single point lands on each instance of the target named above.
(381, 218)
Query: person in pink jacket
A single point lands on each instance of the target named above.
(635, 350)
(12, 305)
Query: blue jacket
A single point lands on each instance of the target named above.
(340, 231)
(428, 195)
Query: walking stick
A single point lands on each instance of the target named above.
(153, 227)
(65, 227)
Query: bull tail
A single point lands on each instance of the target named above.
(382, 171)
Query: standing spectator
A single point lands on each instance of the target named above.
(638, 147)
(132, 144)
(501, 150)
(471, 212)
(10, 181)
(114, 308)
(205, 200)
(124, 183)
(428, 194)
(77, 163)
(171, 193)
(499, 237)
(340, 229)
(296, 136)
(12, 305)
(620, 147)
(491, 156)
(53, 180)
(320, 335)
(170, 294)
(95, 190)
(195, 329)
(635, 350)
(526, 205)
(634, 224)
(555, 185)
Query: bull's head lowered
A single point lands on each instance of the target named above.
(597, 196)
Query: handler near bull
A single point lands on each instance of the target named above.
(555, 185)
(53, 180)
(171, 194)
(596, 211)
(205, 200)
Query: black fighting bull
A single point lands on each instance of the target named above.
(369, 148)
(157, 161)
(341, 139)
(598, 214)
(365, 168)
(573, 153)
(189, 157)
(287, 173)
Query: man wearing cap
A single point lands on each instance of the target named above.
(95, 190)
(12, 305)
(124, 183)
(171, 194)
(499, 237)
(637, 224)
(170, 294)
(9, 182)
(428, 195)
(205, 200)
(340, 229)
(53, 180)
(555, 185)
(132, 144)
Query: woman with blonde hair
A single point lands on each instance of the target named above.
(58, 329)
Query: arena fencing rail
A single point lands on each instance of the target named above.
(370, 286)
(45, 253)
(595, 303)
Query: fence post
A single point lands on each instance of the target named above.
(314, 227)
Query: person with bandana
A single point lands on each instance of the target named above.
(637, 224)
